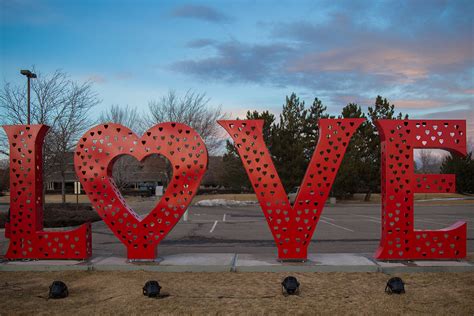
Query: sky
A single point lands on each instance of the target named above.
(248, 55)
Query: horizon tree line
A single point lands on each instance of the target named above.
(65, 105)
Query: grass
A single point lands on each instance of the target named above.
(93, 292)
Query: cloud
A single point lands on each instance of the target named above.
(417, 104)
(96, 78)
(402, 64)
(200, 12)
(353, 51)
(237, 62)
(199, 43)
(459, 114)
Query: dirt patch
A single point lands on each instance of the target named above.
(236, 293)
(63, 215)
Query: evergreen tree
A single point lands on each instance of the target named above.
(381, 110)
(235, 176)
(289, 144)
(310, 135)
(360, 169)
(463, 168)
(352, 174)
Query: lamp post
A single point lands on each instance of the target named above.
(28, 75)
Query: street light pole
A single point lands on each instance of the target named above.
(28, 75)
(28, 109)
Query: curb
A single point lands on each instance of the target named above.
(231, 262)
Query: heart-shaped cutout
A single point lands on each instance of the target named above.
(95, 155)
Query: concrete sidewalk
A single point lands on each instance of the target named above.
(230, 262)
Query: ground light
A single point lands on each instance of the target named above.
(151, 289)
(395, 285)
(290, 286)
(58, 289)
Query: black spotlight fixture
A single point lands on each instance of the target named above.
(395, 285)
(151, 289)
(290, 286)
(58, 289)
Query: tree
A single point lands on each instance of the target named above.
(4, 175)
(291, 142)
(429, 162)
(294, 139)
(56, 101)
(124, 166)
(234, 175)
(360, 168)
(382, 110)
(124, 115)
(316, 112)
(193, 110)
(463, 168)
(352, 173)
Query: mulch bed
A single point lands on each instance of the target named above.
(63, 215)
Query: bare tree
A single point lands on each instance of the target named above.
(56, 101)
(125, 115)
(125, 166)
(4, 175)
(191, 109)
(430, 162)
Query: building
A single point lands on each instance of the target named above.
(129, 174)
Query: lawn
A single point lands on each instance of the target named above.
(93, 292)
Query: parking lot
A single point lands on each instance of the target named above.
(345, 228)
(243, 229)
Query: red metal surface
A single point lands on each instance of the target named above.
(95, 155)
(399, 183)
(28, 240)
(292, 226)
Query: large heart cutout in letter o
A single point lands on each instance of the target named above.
(96, 153)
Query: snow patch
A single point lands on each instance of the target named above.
(223, 202)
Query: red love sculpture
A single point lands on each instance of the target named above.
(292, 226)
(96, 153)
(399, 238)
(28, 240)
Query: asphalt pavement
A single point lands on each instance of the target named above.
(341, 229)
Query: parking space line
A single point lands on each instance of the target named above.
(223, 218)
(213, 227)
(371, 217)
(373, 220)
(328, 218)
(428, 221)
(341, 227)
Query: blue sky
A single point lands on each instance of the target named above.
(248, 55)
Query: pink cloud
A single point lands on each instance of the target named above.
(404, 65)
(463, 114)
(97, 78)
(416, 103)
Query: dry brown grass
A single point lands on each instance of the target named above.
(93, 293)
(419, 197)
